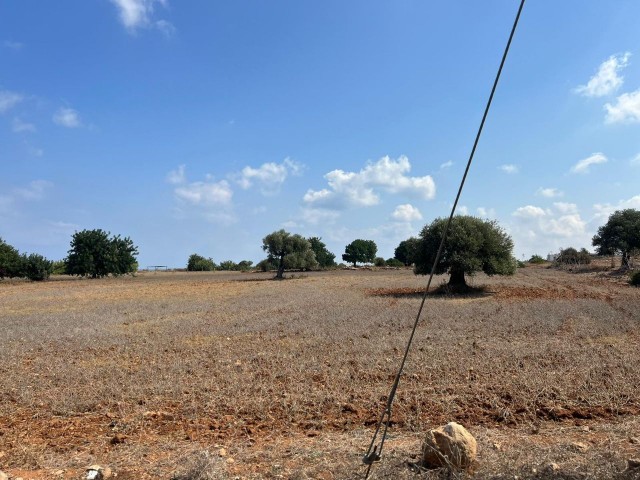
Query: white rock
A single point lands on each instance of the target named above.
(449, 446)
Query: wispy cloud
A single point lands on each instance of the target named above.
(177, 177)
(361, 189)
(135, 14)
(486, 212)
(635, 161)
(10, 44)
(549, 192)
(509, 168)
(36, 190)
(406, 213)
(584, 165)
(269, 176)
(444, 165)
(20, 126)
(607, 80)
(8, 100)
(67, 117)
(626, 109)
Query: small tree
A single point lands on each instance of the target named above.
(197, 263)
(96, 255)
(379, 262)
(35, 267)
(10, 261)
(536, 259)
(406, 251)
(394, 262)
(244, 265)
(472, 245)
(362, 251)
(289, 251)
(324, 257)
(228, 265)
(620, 235)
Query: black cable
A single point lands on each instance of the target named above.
(374, 452)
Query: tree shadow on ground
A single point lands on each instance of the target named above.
(442, 291)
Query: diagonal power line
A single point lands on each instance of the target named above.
(374, 453)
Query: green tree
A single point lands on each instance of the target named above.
(472, 245)
(536, 259)
(244, 265)
(35, 267)
(324, 257)
(288, 251)
(379, 262)
(197, 263)
(10, 261)
(360, 251)
(94, 254)
(228, 265)
(620, 235)
(406, 251)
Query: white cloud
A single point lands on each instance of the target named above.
(549, 192)
(446, 165)
(319, 216)
(583, 166)
(509, 168)
(566, 208)
(176, 177)
(358, 189)
(166, 28)
(606, 80)
(625, 110)
(270, 176)
(19, 126)
(635, 161)
(8, 100)
(529, 211)
(406, 213)
(486, 212)
(603, 210)
(136, 14)
(205, 193)
(67, 117)
(463, 210)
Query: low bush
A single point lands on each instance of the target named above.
(635, 278)
(536, 259)
(35, 267)
(394, 262)
(198, 263)
(379, 262)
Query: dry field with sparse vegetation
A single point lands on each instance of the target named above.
(234, 376)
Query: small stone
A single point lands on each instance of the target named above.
(95, 472)
(3, 476)
(117, 438)
(634, 440)
(497, 446)
(553, 467)
(58, 472)
(222, 452)
(579, 447)
(633, 464)
(230, 460)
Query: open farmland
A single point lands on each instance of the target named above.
(251, 378)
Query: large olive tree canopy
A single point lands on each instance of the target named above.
(472, 245)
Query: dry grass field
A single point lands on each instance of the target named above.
(234, 376)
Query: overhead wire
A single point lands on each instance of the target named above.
(374, 452)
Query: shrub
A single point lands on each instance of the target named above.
(244, 265)
(394, 262)
(571, 256)
(267, 265)
(635, 278)
(198, 263)
(35, 267)
(521, 264)
(10, 262)
(536, 259)
(379, 262)
(59, 268)
(228, 265)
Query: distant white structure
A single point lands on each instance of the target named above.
(551, 257)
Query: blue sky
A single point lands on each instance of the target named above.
(200, 127)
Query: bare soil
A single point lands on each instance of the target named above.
(228, 375)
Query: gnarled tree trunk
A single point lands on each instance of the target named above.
(457, 279)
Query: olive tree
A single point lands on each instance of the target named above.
(93, 253)
(288, 251)
(360, 251)
(620, 235)
(472, 245)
